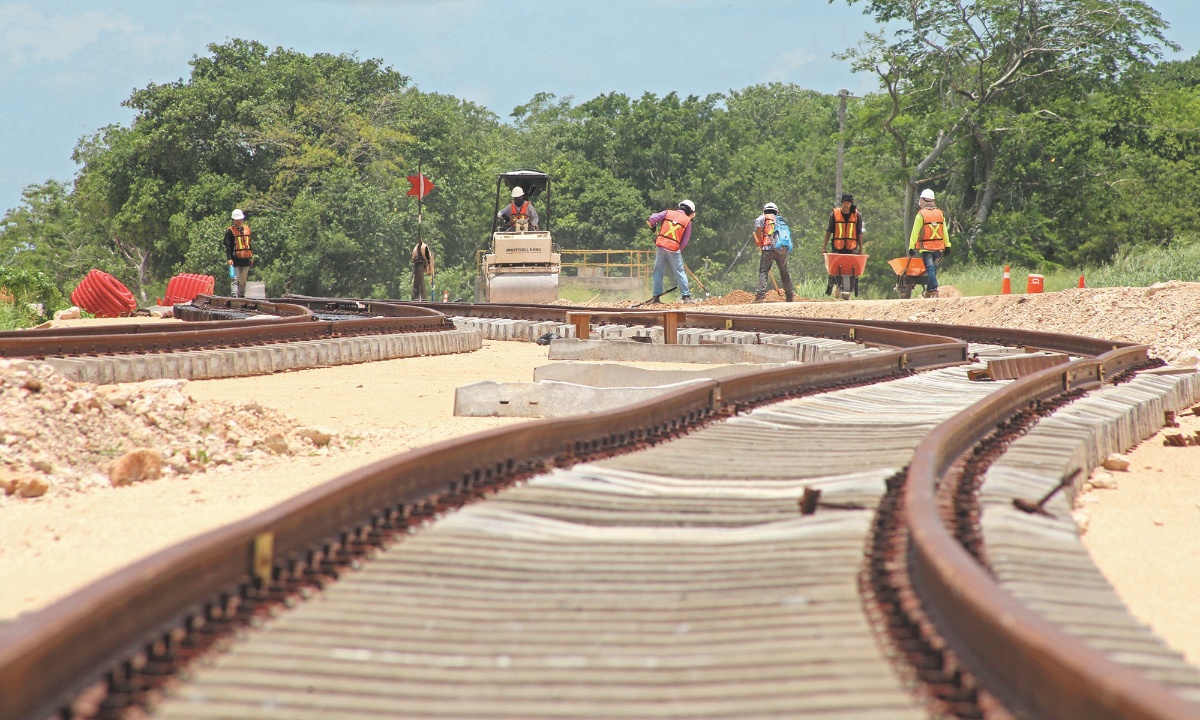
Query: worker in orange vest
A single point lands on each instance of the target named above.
(672, 231)
(845, 228)
(519, 215)
(238, 253)
(931, 238)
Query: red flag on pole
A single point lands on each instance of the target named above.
(421, 185)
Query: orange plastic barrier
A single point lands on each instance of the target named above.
(1006, 282)
(184, 287)
(1081, 281)
(1035, 284)
(103, 295)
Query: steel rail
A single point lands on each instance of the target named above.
(1077, 345)
(291, 323)
(50, 656)
(1035, 668)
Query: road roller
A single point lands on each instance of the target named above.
(523, 263)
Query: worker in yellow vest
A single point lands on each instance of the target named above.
(931, 238)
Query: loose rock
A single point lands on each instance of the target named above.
(1117, 462)
(135, 466)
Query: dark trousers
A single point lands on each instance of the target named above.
(419, 282)
(778, 257)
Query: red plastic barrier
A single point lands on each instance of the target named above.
(184, 287)
(103, 295)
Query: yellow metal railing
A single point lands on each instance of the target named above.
(612, 263)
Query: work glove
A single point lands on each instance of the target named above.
(946, 253)
(912, 252)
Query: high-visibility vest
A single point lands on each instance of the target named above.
(845, 230)
(241, 241)
(764, 237)
(518, 217)
(933, 230)
(671, 229)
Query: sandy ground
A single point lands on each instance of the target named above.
(53, 545)
(1145, 536)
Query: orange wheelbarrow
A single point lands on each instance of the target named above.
(910, 272)
(844, 271)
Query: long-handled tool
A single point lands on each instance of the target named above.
(735, 259)
(704, 289)
(1038, 507)
(647, 302)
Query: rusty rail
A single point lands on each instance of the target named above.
(287, 322)
(1031, 665)
(51, 655)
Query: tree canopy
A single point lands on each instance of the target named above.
(1048, 128)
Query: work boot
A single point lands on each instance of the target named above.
(791, 298)
(930, 294)
(656, 300)
(759, 299)
(687, 299)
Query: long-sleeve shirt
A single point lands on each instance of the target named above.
(915, 235)
(506, 216)
(658, 217)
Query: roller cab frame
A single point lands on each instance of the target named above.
(521, 266)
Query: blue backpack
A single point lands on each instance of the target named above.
(783, 234)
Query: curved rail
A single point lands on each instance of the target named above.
(1027, 662)
(55, 653)
(50, 656)
(287, 322)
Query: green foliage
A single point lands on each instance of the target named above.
(1079, 158)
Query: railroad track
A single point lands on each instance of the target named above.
(649, 562)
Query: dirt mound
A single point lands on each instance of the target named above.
(60, 436)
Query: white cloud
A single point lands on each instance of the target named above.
(26, 35)
(786, 65)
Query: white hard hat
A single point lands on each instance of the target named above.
(518, 191)
(771, 207)
(926, 194)
(688, 205)
(237, 215)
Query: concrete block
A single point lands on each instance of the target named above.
(610, 375)
(547, 399)
(629, 351)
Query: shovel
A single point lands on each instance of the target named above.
(706, 295)
(647, 302)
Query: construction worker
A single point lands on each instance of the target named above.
(931, 238)
(519, 215)
(774, 240)
(238, 253)
(422, 262)
(846, 228)
(672, 230)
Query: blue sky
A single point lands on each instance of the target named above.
(66, 65)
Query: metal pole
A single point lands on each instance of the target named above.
(420, 192)
(841, 146)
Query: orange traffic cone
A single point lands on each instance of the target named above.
(1006, 283)
(1081, 281)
